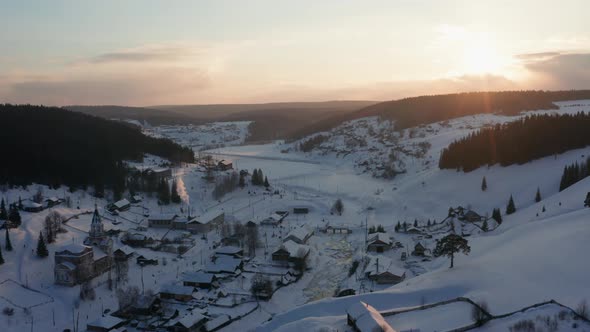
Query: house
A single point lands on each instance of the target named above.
(163, 220)
(299, 235)
(141, 260)
(291, 251)
(191, 322)
(224, 264)
(364, 318)
(224, 165)
(383, 270)
(122, 205)
(274, 219)
(300, 210)
(587, 201)
(419, 250)
(199, 279)
(104, 324)
(136, 199)
(413, 230)
(206, 222)
(123, 254)
(379, 242)
(337, 230)
(52, 201)
(31, 206)
(144, 305)
(471, 216)
(230, 251)
(218, 322)
(177, 292)
(136, 240)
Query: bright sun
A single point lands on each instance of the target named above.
(479, 59)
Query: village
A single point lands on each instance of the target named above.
(181, 268)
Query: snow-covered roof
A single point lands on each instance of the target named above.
(293, 248)
(52, 199)
(207, 217)
(137, 237)
(162, 216)
(74, 248)
(381, 264)
(126, 250)
(367, 318)
(223, 264)
(198, 277)
(229, 250)
(217, 322)
(121, 204)
(30, 204)
(106, 322)
(191, 319)
(301, 233)
(382, 237)
(177, 289)
(137, 198)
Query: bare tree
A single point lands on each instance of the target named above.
(52, 225)
(128, 296)
(582, 309)
(252, 240)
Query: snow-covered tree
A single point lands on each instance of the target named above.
(538, 195)
(174, 196)
(484, 184)
(338, 207)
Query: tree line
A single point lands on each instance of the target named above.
(574, 173)
(53, 146)
(518, 142)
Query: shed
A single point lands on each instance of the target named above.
(104, 324)
(364, 318)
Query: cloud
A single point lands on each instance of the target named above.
(537, 56)
(562, 71)
(153, 86)
(150, 53)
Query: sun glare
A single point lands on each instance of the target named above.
(480, 59)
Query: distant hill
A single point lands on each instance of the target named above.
(54, 146)
(271, 121)
(409, 112)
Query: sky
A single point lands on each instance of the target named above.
(147, 52)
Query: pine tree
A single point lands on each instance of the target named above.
(41, 248)
(14, 215)
(3, 214)
(174, 196)
(510, 208)
(450, 245)
(20, 203)
(543, 209)
(1, 257)
(538, 195)
(497, 216)
(8, 243)
(266, 184)
(254, 177)
(484, 227)
(484, 184)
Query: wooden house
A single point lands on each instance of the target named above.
(419, 250)
(177, 292)
(379, 242)
(199, 280)
(364, 318)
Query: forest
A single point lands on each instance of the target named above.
(518, 142)
(415, 111)
(53, 146)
